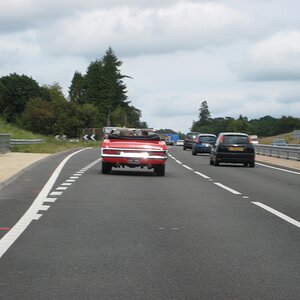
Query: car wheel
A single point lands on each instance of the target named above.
(211, 162)
(106, 168)
(159, 170)
(216, 163)
(194, 152)
(252, 164)
(184, 148)
(245, 164)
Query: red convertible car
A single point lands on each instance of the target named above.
(133, 148)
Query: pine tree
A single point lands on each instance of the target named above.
(114, 88)
(77, 88)
(204, 114)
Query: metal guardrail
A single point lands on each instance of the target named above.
(25, 141)
(4, 142)
(287, 152)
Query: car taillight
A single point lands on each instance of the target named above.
(249, 140)
(156, 153)
(222, 139)
(111, 151)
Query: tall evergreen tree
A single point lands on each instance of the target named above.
(102, 86)
(204, 114)
(77, 88)
(114, 87)
(2, 94)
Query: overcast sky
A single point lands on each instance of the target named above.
(241, 56)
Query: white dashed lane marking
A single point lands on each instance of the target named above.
(38, 204)
(187, 167)
(55, 193)
(227, 188)
(61, 188)
(267, 208)
(50, 200)
(202, 175)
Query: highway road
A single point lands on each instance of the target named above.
(200, 232)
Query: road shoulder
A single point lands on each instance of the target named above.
(14, 163)
(287, 163)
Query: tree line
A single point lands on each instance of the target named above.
(263, 127)
(96, 99)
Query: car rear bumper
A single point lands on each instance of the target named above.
(235, 158)
(205, 149)
(133, 161)
(188, 144)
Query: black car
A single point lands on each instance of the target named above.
(232, 147)
(189, 140)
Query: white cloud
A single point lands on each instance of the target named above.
(240, 56)
(17, 48)
(136, 31)
(274, 58)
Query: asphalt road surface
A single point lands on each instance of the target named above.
(200, 232)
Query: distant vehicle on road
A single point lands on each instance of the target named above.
(232, 147)
(279, 142)
(254, 139)
(133, 148)
(203, 143)
(169, 138)
(180, 143)
(189, 140)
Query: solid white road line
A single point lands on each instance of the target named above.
(278, 214)
(279, 169)
(31, 214)
(227, 188)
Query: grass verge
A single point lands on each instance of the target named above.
(49, 144)
(287, 136)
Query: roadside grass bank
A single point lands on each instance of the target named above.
(49, 144)
(287, 136)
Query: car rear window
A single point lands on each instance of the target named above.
(191, 135)
(207, 139)
(236, 139)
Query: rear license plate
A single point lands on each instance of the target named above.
(133, 161)
(235, 148)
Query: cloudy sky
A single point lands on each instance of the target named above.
(241, 56)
